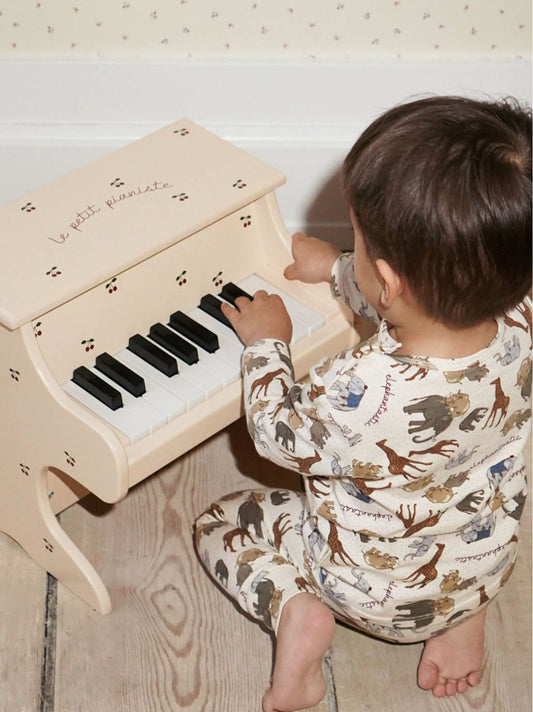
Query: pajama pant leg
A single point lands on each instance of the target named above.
(251, 543)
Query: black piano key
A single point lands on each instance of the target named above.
(211, 305)
(175, 344)
(152, 354)
(121, 374)
(194, 331)
(231, 291)
(97, 387)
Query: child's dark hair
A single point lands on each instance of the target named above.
(441, 189)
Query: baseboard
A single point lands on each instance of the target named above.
(57, 114)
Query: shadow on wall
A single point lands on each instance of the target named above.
(327, 218)
(327, 215)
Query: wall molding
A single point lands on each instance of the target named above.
(250, 96)
(301, 117)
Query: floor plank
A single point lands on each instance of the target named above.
(173, 641)
(23, 609)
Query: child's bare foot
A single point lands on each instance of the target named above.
(305, 632)
(451, 662)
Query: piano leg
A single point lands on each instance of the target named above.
(26, 516)
(44, 434)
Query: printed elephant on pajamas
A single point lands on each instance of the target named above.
(421, 546)
(519, 501)
(252, 362)
(279, 497)
(382, 630)
(497, 471)
(523, 378)
(511, 352)
(478, 529)
(360, 583)
(244, 561)
(329, 586)
(349, 394)
(221, 572)
(421, 613)
(250, 513)
(268, 599)
(378, 560)
(319, 433)
(476, 416)
(437, 412)
(243, 572)
(286, 435)
(347, 473)
(316, 543)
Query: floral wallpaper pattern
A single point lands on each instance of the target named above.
(293, 29)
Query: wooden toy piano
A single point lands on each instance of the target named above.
(98, 390)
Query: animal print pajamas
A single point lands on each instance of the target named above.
(413, 472)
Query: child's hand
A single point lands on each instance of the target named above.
(264, 318)
(313, 259)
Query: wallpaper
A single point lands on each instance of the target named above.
(284, 29)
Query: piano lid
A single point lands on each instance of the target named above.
(80, 230)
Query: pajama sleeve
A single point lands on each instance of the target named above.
(345, 288)
(290, 422)
(308, 426)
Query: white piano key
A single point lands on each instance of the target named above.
(199, 376)
(177, 385)
(228, 340)
(222, 363)
(311, 319)
(138, 407)
(158, 396)
(299, 329)
(228, 372)
(120, 419)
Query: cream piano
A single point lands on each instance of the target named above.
(113, 361)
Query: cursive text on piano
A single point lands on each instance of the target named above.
(82, 216)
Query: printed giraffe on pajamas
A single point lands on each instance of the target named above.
(500, 405)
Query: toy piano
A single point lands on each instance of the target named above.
(113, 360)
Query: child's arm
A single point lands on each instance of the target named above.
(313, 259)
(319, 261)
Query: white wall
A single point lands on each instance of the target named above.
(301, 117)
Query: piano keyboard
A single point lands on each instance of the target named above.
(176, 365)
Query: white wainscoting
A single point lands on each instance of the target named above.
(57, 114)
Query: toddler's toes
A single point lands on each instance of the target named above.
(462, 685)
(474, 678)
(439, 689)
(428, 675)
(267, 702)
(451, 687)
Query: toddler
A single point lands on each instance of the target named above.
(410, 445)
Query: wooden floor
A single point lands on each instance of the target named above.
(174, 642)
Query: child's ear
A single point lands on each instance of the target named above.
(392, 285)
